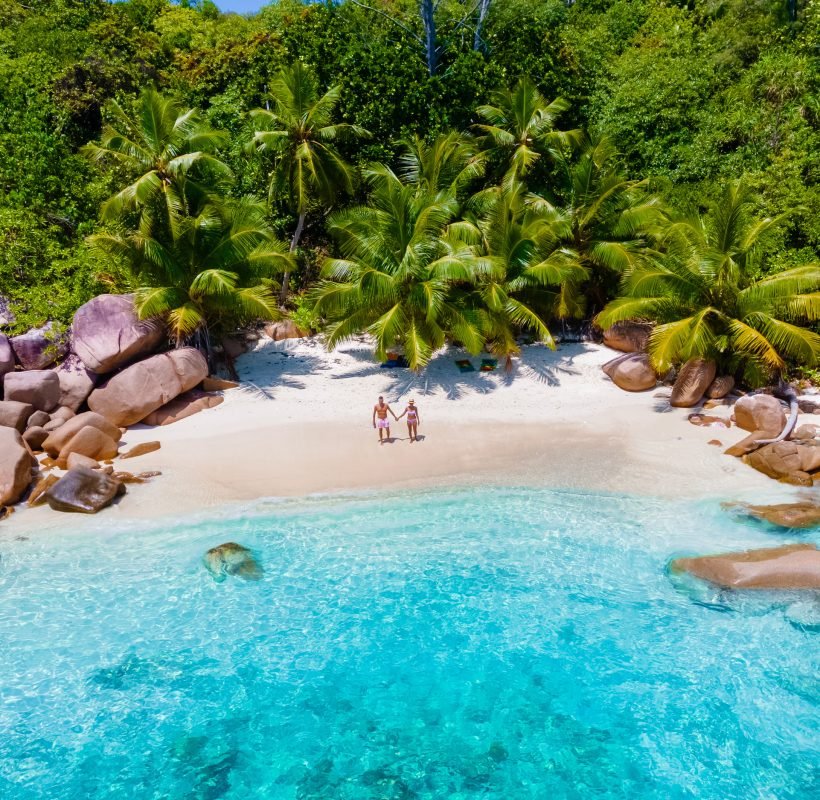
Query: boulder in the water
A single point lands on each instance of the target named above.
(783, 515)
(232, 559)
(795, 566)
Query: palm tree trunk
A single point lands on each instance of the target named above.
(430, 46)
(294, 243)
(483, 8)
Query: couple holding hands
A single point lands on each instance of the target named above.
(380, 421)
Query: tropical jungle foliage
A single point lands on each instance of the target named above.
(454, 170)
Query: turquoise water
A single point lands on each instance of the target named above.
(465, 644)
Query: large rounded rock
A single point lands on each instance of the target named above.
(284, 329)
(232, 559)
(720, 387)
(14, 414)
(795, 566)
(83, 490)
(131, 395)
(632, 372)
(34, 437)
(6, 356)
(15, 466)
(760, 412)
(628, 336)
(40, 347)
(694, 378)
(106, 333)
(60, 437)
(186, 405)
(90, 442)
(785, 460)
(76, 382)
(39, 388)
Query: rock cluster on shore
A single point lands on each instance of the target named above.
(66, 399)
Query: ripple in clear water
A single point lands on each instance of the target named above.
(474, 644)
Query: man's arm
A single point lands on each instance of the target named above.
(393, 413)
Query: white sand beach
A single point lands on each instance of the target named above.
(301, 424)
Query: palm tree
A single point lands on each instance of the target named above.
(300, 132)
(211, 275)
(396, 273)
(446, 164)
(706, 295)
(520, 126)
(170, 153)
(518, 270)
(609, 222)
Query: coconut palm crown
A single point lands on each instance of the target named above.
(709, 301)
(396, 271)
(168, 149)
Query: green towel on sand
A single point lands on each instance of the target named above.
(488, 364)
(465, 365)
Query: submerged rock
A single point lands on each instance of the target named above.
(784, 515)
(795, 566)
(232, 559)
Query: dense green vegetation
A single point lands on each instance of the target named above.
(488, 169)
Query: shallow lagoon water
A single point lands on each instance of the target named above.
(492, 643)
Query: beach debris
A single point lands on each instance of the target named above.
(14, 414)
(628, 336)
(631, 372)
(694, 378)
(708, 421)
(44, 483)
(132, 394)
(802, 514)
(257, 389)
(715, 442)
(106, 333)
(212, 384)
(231, 558)
(15, 466)
(83, 490)
(142, 449)
(795, 566)
(186, 405)
(37, 387)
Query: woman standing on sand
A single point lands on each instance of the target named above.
(412, 420)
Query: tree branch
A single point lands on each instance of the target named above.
(392, 19)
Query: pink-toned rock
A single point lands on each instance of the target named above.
(38, 419)
(34, 437)
(42, 485)
(39, 388)
(63, 413)
(131, 395)
(91, 442)
(183, 406)
(628, 336)
(785, 459)
(760, 412)
(632, 372)
(211, 384)
(15, 466)
(76, 382)
(14, 414)
(795, 566)
(106, 333)
(58, 439)
(6, 356)
(284, 329)
(233, 348)
(75, 460)
(720, 387)
(694, 378)
(40, 347)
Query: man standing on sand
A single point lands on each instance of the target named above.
(380, 411)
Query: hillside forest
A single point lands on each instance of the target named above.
(459, 170)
